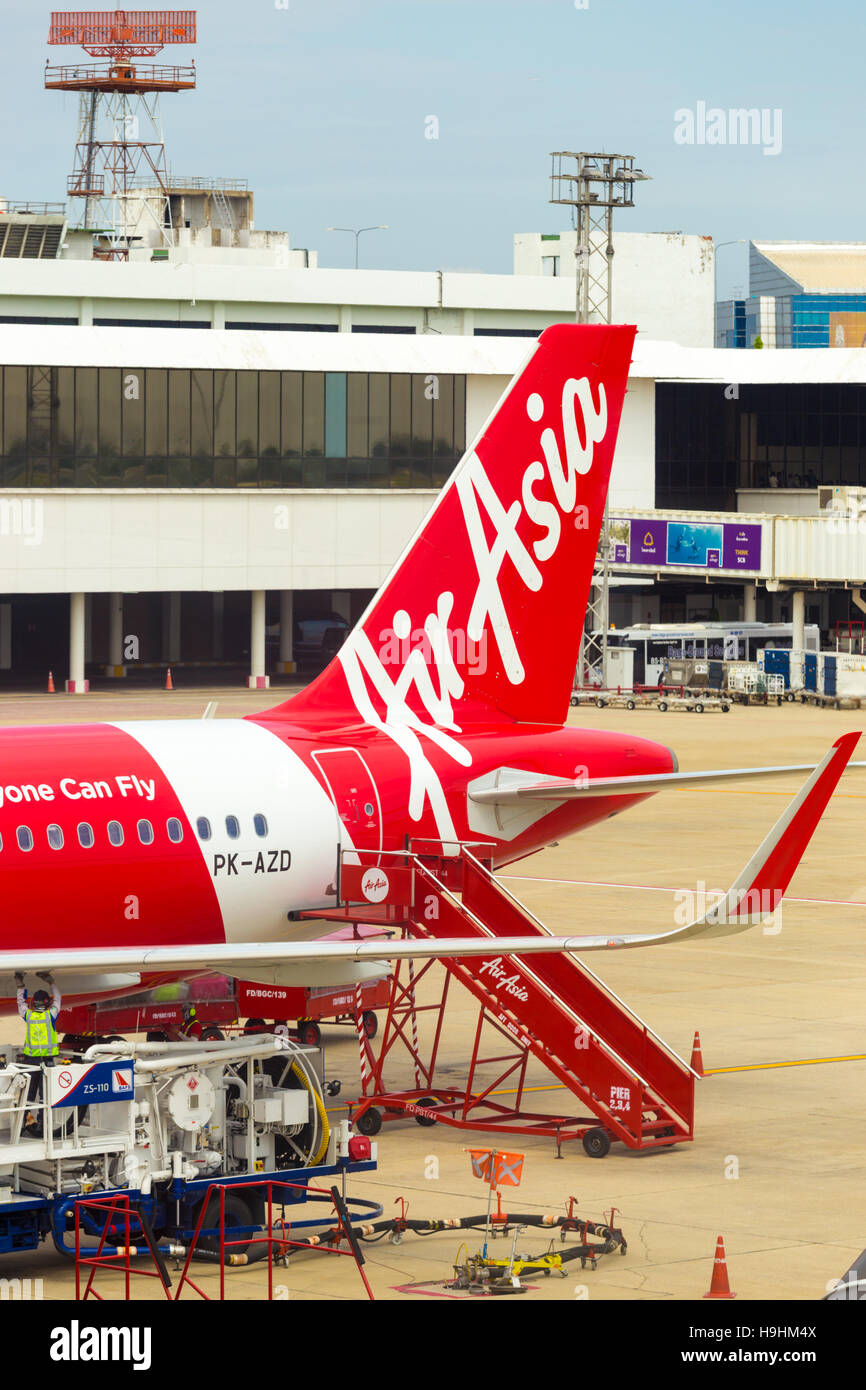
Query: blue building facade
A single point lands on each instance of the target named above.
(801, 295)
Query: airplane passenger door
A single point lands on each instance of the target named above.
(355, 796)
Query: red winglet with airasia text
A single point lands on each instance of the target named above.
(480, 619)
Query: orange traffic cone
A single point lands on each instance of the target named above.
(719, 1286)
(697, 1061)
(51, 690)
(168, 684)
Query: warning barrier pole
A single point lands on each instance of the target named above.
(414, 1022)
(362, 1040)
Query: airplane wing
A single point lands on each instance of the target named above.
(509, 792)
(752, 898)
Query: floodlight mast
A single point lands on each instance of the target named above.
(118, 107)
(593, 185)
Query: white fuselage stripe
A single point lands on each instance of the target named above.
(235, 768)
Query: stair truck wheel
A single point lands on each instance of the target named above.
(255, 1025)
(371, 1023)
(426, 1120)
(596, 1143)
(600, 703)
(309, 1032)
(663, 704)
(629, 704)
(212, 1034)
(369, 1123)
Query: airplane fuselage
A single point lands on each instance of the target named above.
(174, 832)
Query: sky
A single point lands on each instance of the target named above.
(327, 108)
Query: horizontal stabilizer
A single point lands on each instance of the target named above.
(555, 789)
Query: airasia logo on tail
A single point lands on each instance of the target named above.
(474, 487)
(415, 706)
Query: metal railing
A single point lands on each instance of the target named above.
(545, 930)
(118, 1215)
(463, 848)
(25, 208)
(276, 1234)
(197, 181)
(120, 73)
(33, 1119)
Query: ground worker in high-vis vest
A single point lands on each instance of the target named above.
(40, 1017)
(191, 1026)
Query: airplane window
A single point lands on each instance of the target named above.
(55, 837)
(115, 832)
(261, 825)
(175, 830)
(233, 828)
(24, 837)
(202, 825)
(145, 832)
(85, 835)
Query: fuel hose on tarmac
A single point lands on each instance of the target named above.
(258, 1246)
(608, 1238)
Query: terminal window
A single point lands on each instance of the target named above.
(711, 442)
(165, 427)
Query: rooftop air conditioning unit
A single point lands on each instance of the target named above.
(838, 498)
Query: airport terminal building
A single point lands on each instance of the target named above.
(212, 456)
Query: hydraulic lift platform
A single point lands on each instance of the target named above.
(630, 1086)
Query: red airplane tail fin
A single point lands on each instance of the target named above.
(481, 616)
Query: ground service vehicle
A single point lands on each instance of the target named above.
(159, 1122)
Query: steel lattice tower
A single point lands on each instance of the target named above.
(593, 185)
(120, 148)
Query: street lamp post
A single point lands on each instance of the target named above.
(357, 232)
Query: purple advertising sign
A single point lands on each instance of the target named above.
(690, 545)
(648, 543)
(742, 547)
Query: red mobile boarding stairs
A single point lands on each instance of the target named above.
(547, 1006)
